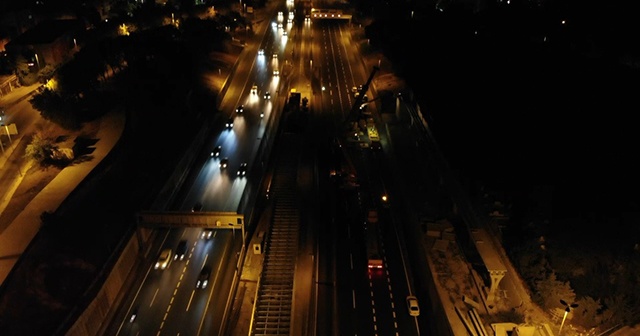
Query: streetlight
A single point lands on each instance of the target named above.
(566, 311)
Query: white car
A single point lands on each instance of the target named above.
(163, 259)
(412, 305)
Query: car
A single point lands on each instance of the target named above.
(196, 207)
(260, 52)
(181, 250)
(216, 151)
(267, 95)
(276, 72)
(275, 56)
(376, 146)
(280, 26)
(412, 305)
(284, 33)
(163, 259)
(206, 234)
(242, 171)
(254, 89)
(240, 108)
(223, 163)
(203, 277)
(229, 123)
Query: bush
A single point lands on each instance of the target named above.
(40, 149)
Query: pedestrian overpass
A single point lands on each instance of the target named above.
(329, 14)
(198, 219)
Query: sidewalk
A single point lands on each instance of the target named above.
(6, 102)
(17, 237)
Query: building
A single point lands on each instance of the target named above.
(49, 42)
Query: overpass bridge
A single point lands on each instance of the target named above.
(329, 14)
(197, 219)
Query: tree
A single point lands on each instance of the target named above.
(549, 291)
(23, 71)
(587, 314)
(40, 148)
(56, 108)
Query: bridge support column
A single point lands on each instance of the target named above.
(495, 276)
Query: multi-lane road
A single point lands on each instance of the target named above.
(319, 58)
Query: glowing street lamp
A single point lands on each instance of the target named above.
(566, 311)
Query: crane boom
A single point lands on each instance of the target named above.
(355, 109)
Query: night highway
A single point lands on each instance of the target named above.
(167, 301)
(317, 58)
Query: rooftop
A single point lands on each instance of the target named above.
(47, 32)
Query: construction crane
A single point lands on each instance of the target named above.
(354, 114)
